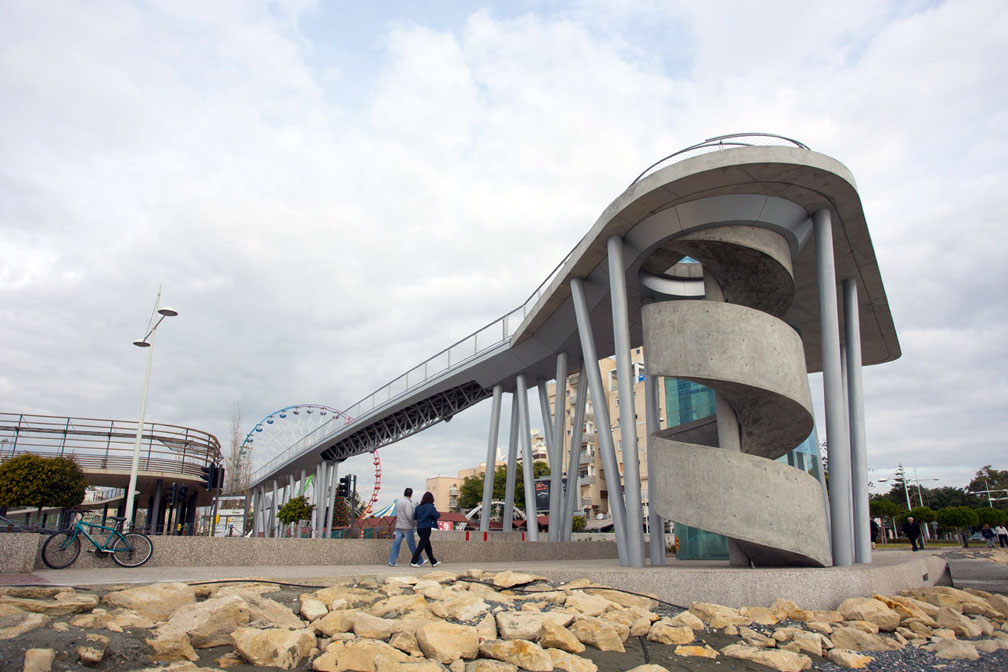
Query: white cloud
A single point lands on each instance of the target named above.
(324, 224)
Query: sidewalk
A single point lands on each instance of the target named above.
(679, 582)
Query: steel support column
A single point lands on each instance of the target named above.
(590, 368)
(531, 520)
(628, 417)
(656, 524)
(491, 459)
(855, 406)
(556, 462)
(275, 518)
(547, 419)
(837, 445)
(507, 518)
(573, 462)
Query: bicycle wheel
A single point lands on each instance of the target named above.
(61, 549)
(131, 549)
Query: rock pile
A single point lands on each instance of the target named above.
(478, 621)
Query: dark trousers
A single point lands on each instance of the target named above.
(913, 542)
(1003, 540)
(424, 545)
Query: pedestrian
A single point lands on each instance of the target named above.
(1002, 535)
(912, 531)
(874, 532)
(403, 526)
(426, 516)
(988, 534)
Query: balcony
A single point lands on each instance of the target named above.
(586, 480)
(586, 458)
(586, 502)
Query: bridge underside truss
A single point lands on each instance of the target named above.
(408, 421)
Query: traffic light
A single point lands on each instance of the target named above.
(219, 481)
(343, 490)
(208, 476)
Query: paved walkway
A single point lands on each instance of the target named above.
(679, 582)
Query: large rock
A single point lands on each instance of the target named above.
(786, 610)
(93, 649)
(312, 609)
(339, 620)
(858, 640)
(753, 638)
(718, 616)
(156, 601)
(399, 605)
(372, 627)
(273, 647)
(388, 664)
(954, 649)
(760, 615)
(906, 608)
(554, 636)
(16, 623)
(115, 620)
(621, 598)
(171, 646)
(523, 653)
(211, 622)
(38, 660)
(465, 608)
(266, 613)
(356, 655)
(487, 628)
(783, 661)
(489, 665)
(509, 579)
(849, 659)
(596, 632)
(562, 660)
(405, 642)
(670, 634)
(871, 610)
(685, 618)
(63, 603)
(589, 605)
(1000, 603)
(447, 642)
(961, 625)
(526, 624)
(696, 651)
(353, 596)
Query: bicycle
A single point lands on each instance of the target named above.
(130, 549)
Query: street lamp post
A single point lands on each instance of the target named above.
(146, 342)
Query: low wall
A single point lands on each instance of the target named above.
(21, 553)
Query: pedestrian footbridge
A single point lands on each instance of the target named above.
(728, 263)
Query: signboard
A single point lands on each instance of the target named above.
(542, 493)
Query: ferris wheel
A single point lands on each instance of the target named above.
(281, 429)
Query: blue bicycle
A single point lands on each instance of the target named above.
(130, 549)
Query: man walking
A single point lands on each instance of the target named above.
(404, 526)
(912, 531)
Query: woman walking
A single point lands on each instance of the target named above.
(426, 517)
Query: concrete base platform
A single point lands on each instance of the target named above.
(678, 583)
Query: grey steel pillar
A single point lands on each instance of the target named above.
(256, 503)
(531, 520)
(573, 461)
(628, 416)
(507, 518)
(547, 419)
(317, 499)
(291, 494)
(328, 468)
(837, 444)
(491, 460)
(608, 450)
(274, 518)
(556, 463)
(656, 524)
(855, 404)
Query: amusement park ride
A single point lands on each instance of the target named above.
(278, 430)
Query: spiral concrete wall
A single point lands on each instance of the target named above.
(719, 474)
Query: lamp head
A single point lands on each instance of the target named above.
(141, 343)
(167, 312)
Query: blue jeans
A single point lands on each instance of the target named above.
(399, 536)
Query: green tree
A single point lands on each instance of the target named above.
(921, 514)
(992, 517)
(30, 480)
(578, 524)
(956, 517)
(944, 497)
(989, 478)
(471, 491)
(296, 509)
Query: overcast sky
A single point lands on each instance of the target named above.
(332, 192)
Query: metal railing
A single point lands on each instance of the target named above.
(724, 142)
(98, 445)
(450, 359)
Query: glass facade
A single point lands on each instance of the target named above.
(687, 401)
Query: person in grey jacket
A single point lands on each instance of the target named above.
(404, 526)
(426, 516)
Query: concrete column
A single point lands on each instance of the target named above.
(559, 431)
(547, 419)
(330, 497)
(155, 507)
(628, 415)
(596, 389)
(855, 403)
(656, 524)
(837, 443)
(292, 492)
(491, 460)
(255, 512)
(573, 496)
(275, 520)
(532, 522)
(317, 499)
(507, 519)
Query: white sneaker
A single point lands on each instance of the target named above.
(422, 562)
(391, 564)
(414, 564)
(436, 563)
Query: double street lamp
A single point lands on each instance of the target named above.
(146, 342)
